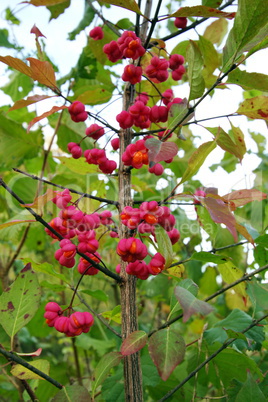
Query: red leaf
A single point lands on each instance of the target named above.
(37, 32)
(160, 151)
(134, 342)
(167, 349)
(29, 101)
(220, 213)
(243, 197)
(190, 304)
(46, 114)
(36, 353)
(202, 11)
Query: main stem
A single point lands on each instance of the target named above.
(132, 367)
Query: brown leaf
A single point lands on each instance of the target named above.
(202, 11)
(29, 101)
(37, 32)
(17, 64)
(46, 114)
(43, 72)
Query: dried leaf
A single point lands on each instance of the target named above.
(202, 11)
(41, 201)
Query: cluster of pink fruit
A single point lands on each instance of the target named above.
(145, 220)
(93, 156)
(72, 325)
(73, 223)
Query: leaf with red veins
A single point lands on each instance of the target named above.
(167, 350)
(220, 213)
(243, 197)
(46, 114)
(29, 101)
(160, 151)
(134, 342)
(190, 304)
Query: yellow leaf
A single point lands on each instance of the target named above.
(23, 373)
(255, 108)
(17, 64)
(11, 223)
(230, 273)
(128, 4)
(235, 300)
(41, 201)
(43, 72)
(176, 272)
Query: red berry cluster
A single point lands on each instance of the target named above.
(127, 46)
(72, 223)
(77, 111)
(145, 220)
(71, 325)
(93, 156)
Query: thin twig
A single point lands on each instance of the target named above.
(103, 320)
(198, 368)
(67, 188)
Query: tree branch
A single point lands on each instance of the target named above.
(13, 357)
(59, 236)
(198, 368)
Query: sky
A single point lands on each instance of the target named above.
(65, 53)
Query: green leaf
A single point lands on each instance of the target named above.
(58, 9)
(23, 373)
(15, 144)
(176, 113)
(4, 42)
(248, 80)
(195, 65)
(88, 17)
(76, 166)
(208, 257)
(190, 304)
(19, 86)
(167, 349)
(210, 55)
(9, 16)
(197, 159)
(87, 64)
(72, 393)
(133, 343)
(103, 368)
(97, 294)
(250, 28)
(20, 301)
(250, 391)
(262, 45)
(46, 268)
(164, 245)
(255, 108)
